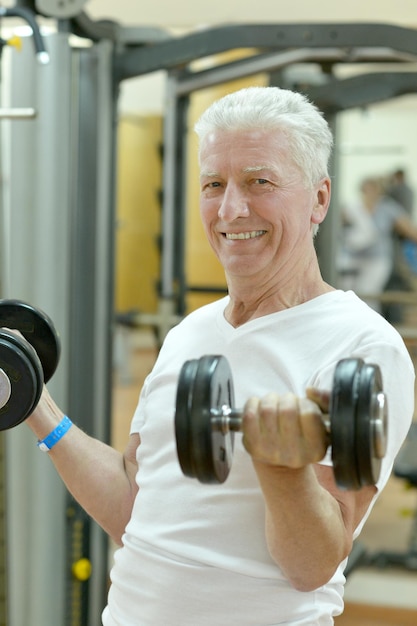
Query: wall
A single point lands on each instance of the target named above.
(138, 212)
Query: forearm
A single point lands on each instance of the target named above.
(96, 478)
(94, 473)
(406, 228)
(305, 530)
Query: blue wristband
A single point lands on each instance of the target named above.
(48, 443)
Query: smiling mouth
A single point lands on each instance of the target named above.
(249, 235)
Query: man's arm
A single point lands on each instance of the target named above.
(101, 479)
(309, 521)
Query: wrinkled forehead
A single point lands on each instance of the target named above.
(249, 150)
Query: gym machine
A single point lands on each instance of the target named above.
(58, 207)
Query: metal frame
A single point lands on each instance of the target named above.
(275, 48)
(37, 211)
(91, 301)
(355, 39)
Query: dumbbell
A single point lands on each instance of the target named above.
(205, 421)
(24, 365)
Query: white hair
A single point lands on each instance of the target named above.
(273, 108)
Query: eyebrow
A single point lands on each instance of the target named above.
(209, 174)
(259, 168)
(245, 170)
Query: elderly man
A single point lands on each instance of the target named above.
(269, 545)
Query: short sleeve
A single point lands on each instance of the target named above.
(138, 419)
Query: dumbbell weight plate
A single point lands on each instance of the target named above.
(343, 406)
(212, 449)
(21, 365)
(37, 328)
(371, 425)
(202, 389)
(183, 416)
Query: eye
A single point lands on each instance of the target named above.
(211, 188)
(261, 181)
(210, 184)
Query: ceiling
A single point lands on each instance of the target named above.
(196, 13)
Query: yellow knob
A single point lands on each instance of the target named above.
(81, 569)
(15, 42)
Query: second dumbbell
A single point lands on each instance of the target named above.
(26, 363)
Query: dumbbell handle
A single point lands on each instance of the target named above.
(226, 419)
(5, 388)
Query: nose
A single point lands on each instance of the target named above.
(233, 204)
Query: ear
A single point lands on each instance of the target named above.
(322, 201)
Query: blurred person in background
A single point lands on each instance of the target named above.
(399, 189)
(368, 248)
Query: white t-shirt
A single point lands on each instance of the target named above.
(196, 555)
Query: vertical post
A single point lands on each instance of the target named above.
(3, 536)
(174, 199)
(36, 211)
(328, 237)
(91, 301)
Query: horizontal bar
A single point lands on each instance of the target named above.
(17, 114)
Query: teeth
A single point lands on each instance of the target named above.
(250, 235)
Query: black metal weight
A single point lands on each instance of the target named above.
(358, 423)
(205, 449)
(371, 425)
(26, 364)
(205, 421)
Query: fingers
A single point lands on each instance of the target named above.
(284, 430)
(320, 397)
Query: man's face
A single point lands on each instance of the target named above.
(257, 212)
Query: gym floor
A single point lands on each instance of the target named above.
(374, 597)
